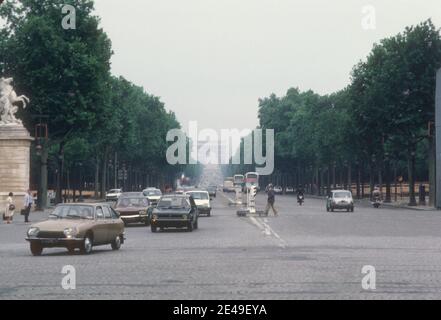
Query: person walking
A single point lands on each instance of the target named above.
(271, 200)
(10, 208)
(28, 202)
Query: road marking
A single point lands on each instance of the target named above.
(228, 198)
(268, 231)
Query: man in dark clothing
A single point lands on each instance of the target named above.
(28, 201)
(271, 200)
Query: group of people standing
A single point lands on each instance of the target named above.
(10, 207)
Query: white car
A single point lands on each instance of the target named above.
(202, 200)
(113, 194)
(153, 195)
(340, 199)
(289, 190)
(278, 190)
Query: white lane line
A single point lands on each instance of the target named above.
(228, 198)
(268, 231)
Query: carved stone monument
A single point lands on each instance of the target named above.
(15, 143)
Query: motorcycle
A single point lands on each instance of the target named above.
(376, 202)
(300, 199)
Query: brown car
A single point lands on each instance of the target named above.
(81, 226)
(133, 208)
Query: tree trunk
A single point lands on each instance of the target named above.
(358, 181)
(328, 181)
(371, 179)
(411, 170)
(59, 196)
(333, 176)
(103, 176)
(97, 177)
(349, 183)
(387, 178)
(362, 181)
(432, 172)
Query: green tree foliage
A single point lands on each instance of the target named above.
(90, 114)
(383, 114)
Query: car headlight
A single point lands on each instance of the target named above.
(32, 232)
(184, 217)
(142, 212)
(70, 232)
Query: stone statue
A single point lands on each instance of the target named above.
(8, 99)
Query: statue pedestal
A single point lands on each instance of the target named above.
(15, 143)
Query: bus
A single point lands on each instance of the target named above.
(252, 179)
(228, 185)
(239, 180)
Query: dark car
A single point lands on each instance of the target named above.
(212, 191)
(175, 211)
(73, 226)
(133, 209)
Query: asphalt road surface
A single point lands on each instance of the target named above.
(304, 253)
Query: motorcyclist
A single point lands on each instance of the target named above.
(300, 192)
(376, 193)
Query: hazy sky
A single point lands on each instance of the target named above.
(210, 60)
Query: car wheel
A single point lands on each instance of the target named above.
(116, 244)
(190, 227)
(196, 224)
(36, 249)
(352, 209)
(87, 245)
(332, 209)
(209, 213)
(153, 228)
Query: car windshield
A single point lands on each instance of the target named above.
(199, 195)
(115, 191)
(173, 202)
(73, 212)
(148, 193)
(342, 195)
(132, 202)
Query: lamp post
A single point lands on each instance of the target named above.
(41, 150)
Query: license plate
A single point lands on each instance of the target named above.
(49, 241)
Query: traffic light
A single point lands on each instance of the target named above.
(253, 191)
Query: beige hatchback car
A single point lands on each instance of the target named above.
(81, 226)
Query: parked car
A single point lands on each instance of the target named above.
(153, 195)
(176, 211)
(202, 200)
(278, 190)
(340, 199)
(212, 191)
(81, 226)
(133, 209)
(289, 190)
(113, 194)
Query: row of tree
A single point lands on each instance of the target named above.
(94, 120)
(375, 129)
